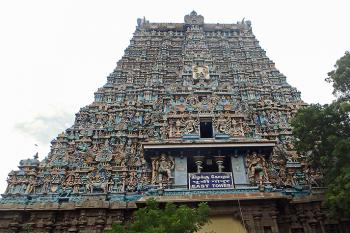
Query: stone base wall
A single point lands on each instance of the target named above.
(258, 216)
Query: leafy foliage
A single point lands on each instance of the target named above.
(323, 133)
(338, 195)
(171, 219)
(340, 77)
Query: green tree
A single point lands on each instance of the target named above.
(171, 219)
(340, 77)
(323, 133)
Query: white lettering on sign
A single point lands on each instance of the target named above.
(210, 180)
(200, 186)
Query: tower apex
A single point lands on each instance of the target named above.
(194, 18)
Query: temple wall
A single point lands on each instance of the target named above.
(259, 216)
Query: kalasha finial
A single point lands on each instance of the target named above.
(141, 21)
(194, 18)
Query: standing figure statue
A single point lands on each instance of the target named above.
(162, 168)
(165, 167)
(257, 169)
(12, 182)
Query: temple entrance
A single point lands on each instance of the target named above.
(223, 224)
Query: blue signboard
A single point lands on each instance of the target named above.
(210, 180)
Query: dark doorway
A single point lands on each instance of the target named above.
(206, 129)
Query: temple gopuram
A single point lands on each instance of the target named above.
(193, 112)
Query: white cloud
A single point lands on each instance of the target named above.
(45, 126)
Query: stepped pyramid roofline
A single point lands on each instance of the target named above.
(192, 89)
(192, 19)
(193, 112)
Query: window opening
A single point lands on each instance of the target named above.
(206, 129)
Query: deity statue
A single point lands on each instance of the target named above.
(31, 185)
(200, 72)
(162, 168)
(132, 181)
(203, 105)
(257, 169)
(191, 126)
(97, 180)
(12, 182)
(222, 125)
(46, 184)
(177, 128)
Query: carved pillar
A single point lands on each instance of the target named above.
(66, 222)
(313, 227)
(313, 223)
(274, 215)
(198, 159)
(58, 227)
(14, 224)
(257, 222)
(220, 161)
(73, 228)
(320, 218)
(82, 222)
(154, 170)
(302, 218)
(286, 222)
(48, 222)
(100, 221)
(250, 224)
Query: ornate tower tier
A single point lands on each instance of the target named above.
(193, 112)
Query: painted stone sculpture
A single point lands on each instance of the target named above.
(170, 78)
